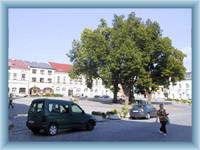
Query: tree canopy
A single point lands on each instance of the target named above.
(131, 52)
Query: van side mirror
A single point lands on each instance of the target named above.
(83, 112)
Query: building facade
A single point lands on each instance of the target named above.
(182, 89)
(41, 78)
(33, 78)
(18, 77)
(36, 79)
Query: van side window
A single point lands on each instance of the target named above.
(76, 109)
(64, 108)
(54, 108)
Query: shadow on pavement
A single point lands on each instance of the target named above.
(111, 130)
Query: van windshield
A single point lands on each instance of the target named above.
(37, 107)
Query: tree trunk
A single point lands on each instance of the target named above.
(131, 96)
(115, 91)
(149, 97)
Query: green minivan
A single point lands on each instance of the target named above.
(52, 114)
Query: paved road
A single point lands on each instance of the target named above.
(180, 128)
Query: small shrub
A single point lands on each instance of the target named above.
(124, 111)
(99, 114)
(57, 95)
(114, 111)
(48, 95)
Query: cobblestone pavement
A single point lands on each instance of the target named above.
(180, 128)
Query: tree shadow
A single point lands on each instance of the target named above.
(110, 130)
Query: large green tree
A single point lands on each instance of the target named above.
(130, 52)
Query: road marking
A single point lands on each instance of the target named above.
(20, 115)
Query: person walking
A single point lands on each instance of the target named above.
(11, 101)
(163, 117)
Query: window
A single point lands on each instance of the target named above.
(64, 79)
(14, 90)
(33, 79)
(54, 108)
(187, 85)
(34, 71)
(63, 89)
(58, 79)
(76, 109)
(22, 90)
(49, 72)
(23, 77)
(76, 82)
(37, 107)
(49, 80)
(179, 85)
(33, 107)
(42, 72)
(14, 76)
(58, 89)
(42, 80)
(64, 108)
(70, 81)
(8, 76)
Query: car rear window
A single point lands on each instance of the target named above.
(37, 107)
(137, 106)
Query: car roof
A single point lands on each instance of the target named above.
(52, 100)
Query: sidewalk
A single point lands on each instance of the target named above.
(11, 125)
(10, 121)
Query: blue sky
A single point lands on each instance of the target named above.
(46, 34)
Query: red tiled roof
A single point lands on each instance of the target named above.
(61, 67)
(20, 64)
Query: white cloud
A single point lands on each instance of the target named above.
(188, 59)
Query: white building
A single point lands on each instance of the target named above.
(32, 78)
(182, 89)
(18, 77)
(41, 78)
(77, 87)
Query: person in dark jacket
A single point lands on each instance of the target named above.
(163, 117)
(11, 101)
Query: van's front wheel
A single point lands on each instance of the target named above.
(90, 126)
(52, 130)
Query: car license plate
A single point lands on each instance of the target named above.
(135, 110)
(30, 121)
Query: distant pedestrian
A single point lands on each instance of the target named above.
(11, 101)
(163, 117)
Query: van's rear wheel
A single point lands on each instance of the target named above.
(35, 131)
(52, 130)
(90, 126)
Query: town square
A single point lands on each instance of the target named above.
(100, 75)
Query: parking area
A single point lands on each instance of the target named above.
(180, 128)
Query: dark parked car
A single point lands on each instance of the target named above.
(51, 115)
(141, 102)
(143, 111)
